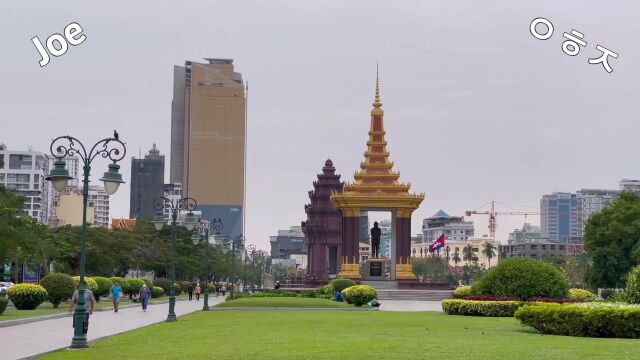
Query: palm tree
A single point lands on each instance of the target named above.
(489, 251)
(467, 254)
(447, 250)
(456, 257)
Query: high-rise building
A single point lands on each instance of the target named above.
(24, 172)
(630, 184)
(208, 139)
(591, 201)
(66, 208)
(559, 220)
(99, 201)
(72, 164)
(454, 228)
(289, 244)
(147, 184)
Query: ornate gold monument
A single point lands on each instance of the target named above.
(376, 187)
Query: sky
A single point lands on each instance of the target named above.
(476, 108)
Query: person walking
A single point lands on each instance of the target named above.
(144, 296)
(190, 291)
(223, 289)
(198, 290)
(89, 303)
(116, 293)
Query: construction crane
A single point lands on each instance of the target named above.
(493, 214)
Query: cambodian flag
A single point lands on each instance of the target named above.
(437, 244)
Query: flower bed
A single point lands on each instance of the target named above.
(586, 319)
(481, 308)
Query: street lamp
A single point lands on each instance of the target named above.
(204, 226)
(239, 243)
(159, 221)
(111, 148)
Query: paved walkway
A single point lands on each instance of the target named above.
(402, 305)
(20, 341)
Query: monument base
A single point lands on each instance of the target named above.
(375, 269)
(405, 272)
(350, 271)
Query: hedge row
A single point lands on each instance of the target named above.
(3, 303)
(580, 320)
(481, 308)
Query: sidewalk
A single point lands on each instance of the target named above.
(20, 341)
(402, 305)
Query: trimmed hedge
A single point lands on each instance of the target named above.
(582, 295)
(60, 287)
(491, 298)
(3, 303)
(338, 285)
(89, 283)
(104, 287)
(124, 284)
(632, 291)
(163, 283)
(607, 293)
(359, 295)
(135, 285)
(523, 278)
(157, 292)
(462, 292)
(602, 320)
(148, 282)
(481, 308)
(27, 296)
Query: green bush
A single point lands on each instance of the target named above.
(134, 285)
(632, 291)
(157, 292)
(184, 286)
(587, 319)
(359, 295)
(309, 294)
(104, 287)
(523, 278)
(480, 308)
(3, 303)
(607, 293)
(148, 282)
(163, 283)
(581, 294)
(27, 296)
(123, 283)
(461, 292)
(326, 290)
(177, 288)
(338, 285)
(89, 283)
(60, 287)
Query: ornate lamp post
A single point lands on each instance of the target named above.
(239, 243)
(159, 221)
(204, 226)
(111, 148)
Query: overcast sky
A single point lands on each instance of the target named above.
(476, 108)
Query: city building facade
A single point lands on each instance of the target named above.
(559, 220)
(24, 172)
(72, 164)
(147, 184)
(66, 208)
(208, 139)
(630, 184)
(589, 202)
(454, 228)
(99, 200)
(288, 243)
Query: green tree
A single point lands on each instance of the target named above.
(489, 251)
(467, 254)
(612, 240)
(456, 257)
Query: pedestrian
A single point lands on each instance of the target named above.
(144, 296)
(116, 293)
(223, 289)
(217, 290)
(89, 303)
(190, 291)
(198, 290)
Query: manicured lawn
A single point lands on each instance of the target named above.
(284, 302)
(363, 335)
(47, 309)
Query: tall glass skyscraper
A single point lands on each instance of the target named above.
(559, 217)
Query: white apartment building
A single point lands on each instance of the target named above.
(630, 184)
(24, 172)
(99, 200)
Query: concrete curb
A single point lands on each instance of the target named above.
(285, 309)
(61, 315)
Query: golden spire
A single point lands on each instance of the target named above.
(377, 105)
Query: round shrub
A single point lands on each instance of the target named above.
(523, 278)
(581, 295)
(359, 295)
(632, 291)
(178, 289)
(134, 285)
(104, 287)
(461, 292)
(60, 287)
(607, 293)
(3, 303)
(123, 283)
(27, 296)
(163, 283)
(157, 292)
(340, 284)
(184, 286)
(148, 282)
(89, 283)
(326, 290)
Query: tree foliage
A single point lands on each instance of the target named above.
(612, 240)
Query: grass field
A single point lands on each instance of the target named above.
(348, 335)
(283, 302)
(47, 309)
